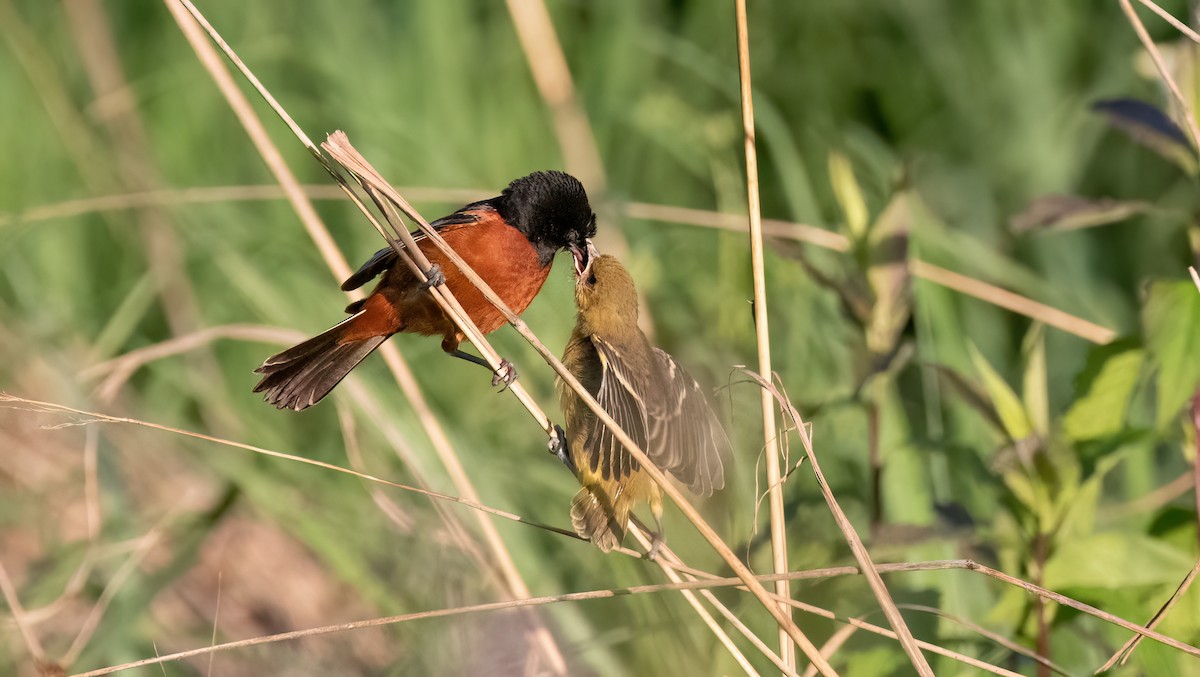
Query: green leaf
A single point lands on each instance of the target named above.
(1034, 388)
(1008, 406)
(849, 195)
(889, 276)
(1104, 389)
(1172, 325)
(1115, 560)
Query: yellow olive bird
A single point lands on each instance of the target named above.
(646, 392)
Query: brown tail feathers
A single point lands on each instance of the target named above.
(300, 376)
(598, 518)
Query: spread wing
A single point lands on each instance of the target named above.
(386, 258)
(672, 423)
(686, 437)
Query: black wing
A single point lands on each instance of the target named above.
(386, 258)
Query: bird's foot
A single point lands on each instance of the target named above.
(434, 277)
(558, 447)
(505, 374)
(656, 543)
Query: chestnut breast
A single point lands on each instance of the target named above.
(502, 256)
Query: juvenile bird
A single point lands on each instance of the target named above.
(647, 393)
(509, 240)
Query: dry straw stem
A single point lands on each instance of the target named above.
(516, 585)
(1014, 302)
(778, 520)
(1121, 657)
(581, 154)
(1195, 276)
(856, 546)
(707, 618)
(89, 417)
(797, 232)
(32, 643)
(602, 594)
(1182, 27)
(1185, 108)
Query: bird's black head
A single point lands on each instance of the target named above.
(551, 209)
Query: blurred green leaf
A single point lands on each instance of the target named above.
(1115, 560)
(849, 195)
(1006, 403)
(1058, 213)
(1034, 388)
(889, 276)
(1171, 320)
(1104, 389)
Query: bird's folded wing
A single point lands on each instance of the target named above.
(386, 258)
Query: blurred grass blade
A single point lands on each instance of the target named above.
(1148, 125)
(1058, 213)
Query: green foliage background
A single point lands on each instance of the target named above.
(1018, 445)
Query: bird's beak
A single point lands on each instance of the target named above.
(583, 258)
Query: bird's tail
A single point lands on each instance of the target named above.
(600, 518)
(300, 376)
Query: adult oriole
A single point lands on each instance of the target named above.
(510, 240)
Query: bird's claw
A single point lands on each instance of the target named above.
(434, 277)
(558, 446)
(656, 543)
(505, 374)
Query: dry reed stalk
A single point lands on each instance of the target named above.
(1195, 276)
(32, 644)
(705, 577)
(118, 580)
(1014, 302)
(1122, 656)
(705, 616)
(835, 642)
(771, 448)
(194, 29)
(672, 566)
(1179, 25)
(907, 641)
(797, 232)
(538, 601)
(581, 154)
(993, 636)
(1181, 101)
(132, 164)
(711, 582)
(204, 194)
(90, 417)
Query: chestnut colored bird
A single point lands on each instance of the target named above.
(647, 393)
(509, 240)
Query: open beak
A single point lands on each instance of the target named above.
(583, 258)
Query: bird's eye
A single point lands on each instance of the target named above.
(592, 279)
